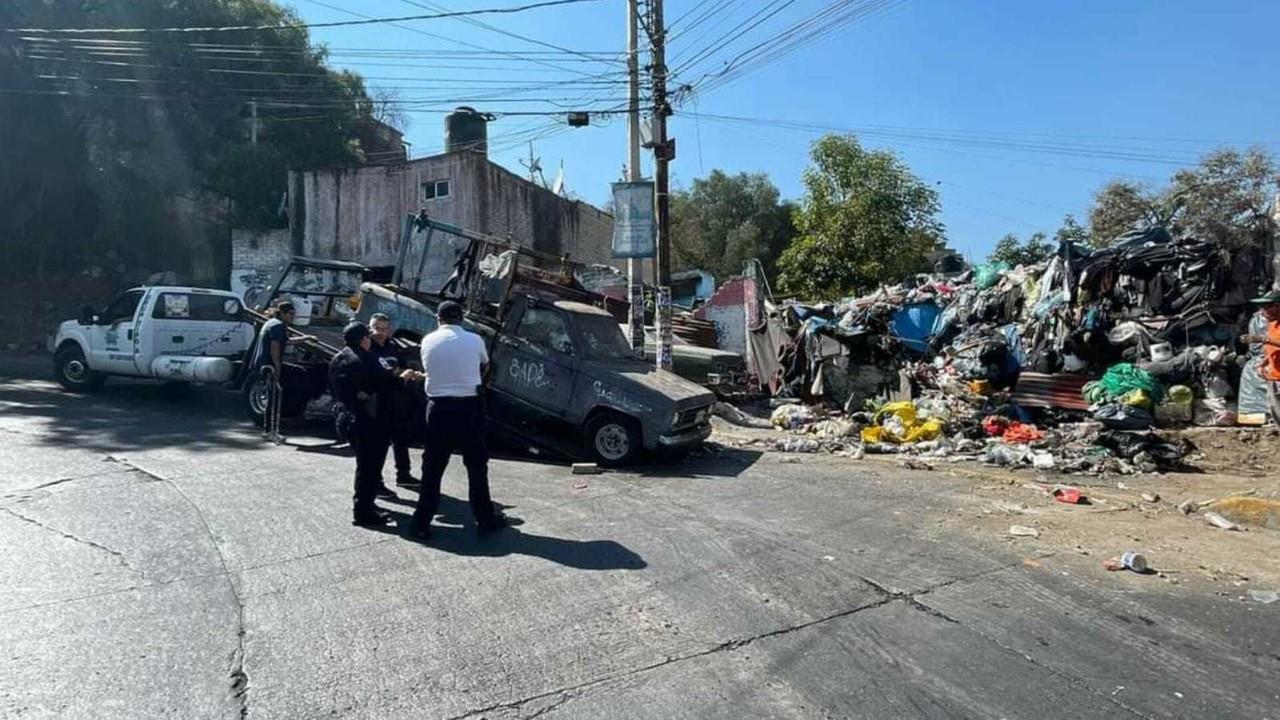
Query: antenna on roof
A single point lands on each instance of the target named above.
(534, 166)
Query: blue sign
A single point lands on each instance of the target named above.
(634, 228)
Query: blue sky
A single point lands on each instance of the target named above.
(1016, 111)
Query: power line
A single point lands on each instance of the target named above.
(832, 19)
(445, 38)
(500, 31)
(448, 105)
(982, 140)
(300, 26)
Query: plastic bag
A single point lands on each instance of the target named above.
(1123, 377)
(1214, 412)
(1176, 408)
(897, 422)
(790, 417)
(987, 275)
(1137, 398)
(1123, 417)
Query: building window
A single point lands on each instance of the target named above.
(435, 189)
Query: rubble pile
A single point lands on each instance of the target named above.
(1069, 364)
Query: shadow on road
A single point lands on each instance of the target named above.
(128, 415)
(721, 462)
(449, 534)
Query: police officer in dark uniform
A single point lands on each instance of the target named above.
(358, 378)
(403, 406)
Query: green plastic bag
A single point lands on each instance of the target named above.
(1123, 378)
(987, 275)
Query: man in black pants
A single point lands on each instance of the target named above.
(358, 379)
(453, 361)
(401, 405)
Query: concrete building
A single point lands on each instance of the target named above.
(356, 213)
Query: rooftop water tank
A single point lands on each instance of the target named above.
(466, 129)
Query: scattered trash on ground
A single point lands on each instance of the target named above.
(1218, 521)
(1266, 597)
(1079, 364)
(1023, 531)
(1134, 561)
(911, 463)
(1069, 495)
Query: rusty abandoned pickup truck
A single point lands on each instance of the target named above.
(561, 369)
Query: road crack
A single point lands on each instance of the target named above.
(239, 677)
(913, 600)
(887, 595)
(727, 646)
(119, 556)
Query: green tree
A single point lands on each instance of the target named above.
(1121, 206)
(1071, 231)
(1225, 199)
(865, 220)
(114, 143)
(1009, 250)
(725, 220)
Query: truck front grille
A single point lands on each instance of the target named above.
(692, 416)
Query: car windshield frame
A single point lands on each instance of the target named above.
(601, 338)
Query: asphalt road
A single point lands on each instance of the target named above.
(160, 560)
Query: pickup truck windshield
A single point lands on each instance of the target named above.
(603, 338)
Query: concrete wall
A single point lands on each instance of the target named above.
(356, 213)
(727, 309)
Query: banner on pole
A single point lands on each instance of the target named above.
(633, 220)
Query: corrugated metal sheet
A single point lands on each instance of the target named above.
(1051, 391)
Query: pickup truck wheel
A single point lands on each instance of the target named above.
(255, 398)
(613, 440)
(72, 370)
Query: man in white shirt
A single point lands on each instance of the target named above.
(453, 361)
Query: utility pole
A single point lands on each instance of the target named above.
(635, 285)
(663, 154)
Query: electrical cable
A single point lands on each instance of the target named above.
(302, 26)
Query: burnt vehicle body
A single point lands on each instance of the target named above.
(561, 370)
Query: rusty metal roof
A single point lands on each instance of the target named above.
(1060, 390)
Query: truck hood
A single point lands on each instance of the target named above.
(682, 393)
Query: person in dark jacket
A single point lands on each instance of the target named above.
(358, 379)
(402, 406)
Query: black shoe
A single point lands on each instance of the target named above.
(408, 481)
(421, 533)
(496, 523)
(386, 492)
(372, 518)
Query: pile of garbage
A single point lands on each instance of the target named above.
(1068, 364)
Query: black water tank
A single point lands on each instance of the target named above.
(466, 129)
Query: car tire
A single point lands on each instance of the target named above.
(72, 370)
(254, 397)
(613, 440)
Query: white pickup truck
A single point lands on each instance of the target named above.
(180, 334)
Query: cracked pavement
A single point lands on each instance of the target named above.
(163, 561)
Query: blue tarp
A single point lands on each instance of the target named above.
(914, 324)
